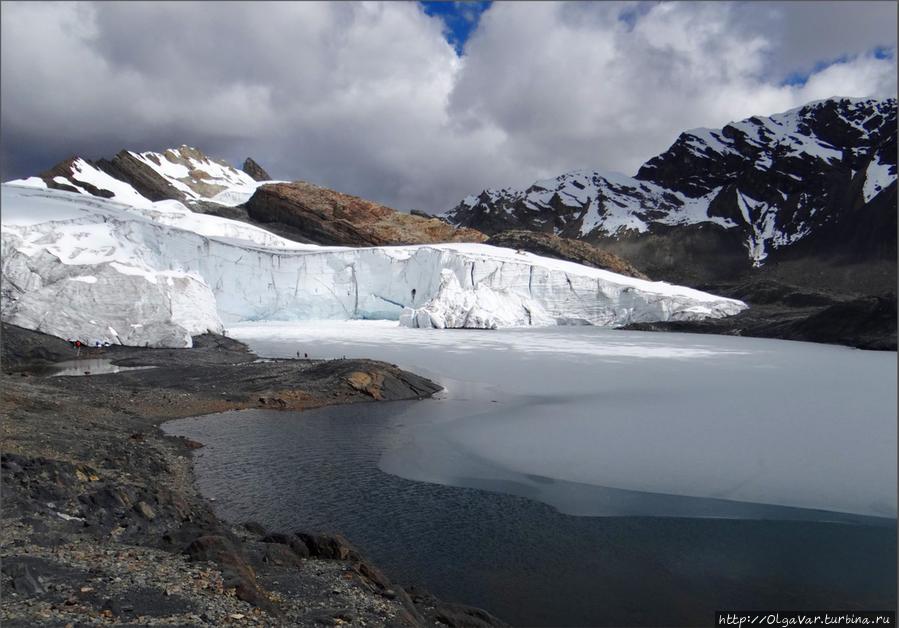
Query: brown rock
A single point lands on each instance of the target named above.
(368, 383)
(144, 510)
(567, 249)
(333, 547)
(296, 545)
(328, 217)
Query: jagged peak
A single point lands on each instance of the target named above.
(252, 168)
(776, 178)
(800, 111)
(183, 173)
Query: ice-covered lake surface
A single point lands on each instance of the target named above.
(481, 494)
(583, 418)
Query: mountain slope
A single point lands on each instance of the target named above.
(720, 201)
(548, 245)
(183, 174)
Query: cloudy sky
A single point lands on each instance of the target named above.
(413, 104)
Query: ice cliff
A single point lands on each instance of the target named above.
(99, 270)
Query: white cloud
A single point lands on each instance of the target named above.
(370, 99)
(805, 34)
(596, 92)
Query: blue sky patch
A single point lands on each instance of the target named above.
(800, 78)
(460, 19)
(884, 52)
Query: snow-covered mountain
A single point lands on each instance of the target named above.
(298, 210)
(80, 266)
(752, 189)
(184, 174)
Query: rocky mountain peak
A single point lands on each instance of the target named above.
(185, 174)
(298, 211)
(255, 170)
(752, 190)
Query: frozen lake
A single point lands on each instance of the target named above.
(605, 422)
(730, 473)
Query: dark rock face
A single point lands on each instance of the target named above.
(324, 216)
(64, 170)
(125, 167)
(768, 292)
(800, 175)
(688, 254)
(818, 180)
(866, 323)
(790, 312)
(255, 170)
(576, 251)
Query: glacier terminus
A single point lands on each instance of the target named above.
(156, 273)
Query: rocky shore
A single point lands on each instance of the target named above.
(787, 312)
(101, 521)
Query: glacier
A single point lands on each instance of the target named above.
(78, 266)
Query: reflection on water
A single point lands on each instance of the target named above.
(90, 366)
(521, 559)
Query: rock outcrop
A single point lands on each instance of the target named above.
(323, 216)
(577, 251)
(149, 183)
(255, 170)
(183, 174)
(788, 312)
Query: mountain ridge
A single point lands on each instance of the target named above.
(739, 197)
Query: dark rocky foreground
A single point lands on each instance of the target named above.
(101, 522)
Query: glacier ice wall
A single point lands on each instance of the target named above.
(74, 267)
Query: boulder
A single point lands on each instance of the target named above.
(236, 572)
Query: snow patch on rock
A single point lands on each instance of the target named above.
(878, 177)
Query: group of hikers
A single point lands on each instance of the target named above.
(78, 345)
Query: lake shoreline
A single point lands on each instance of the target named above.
(102, 518)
